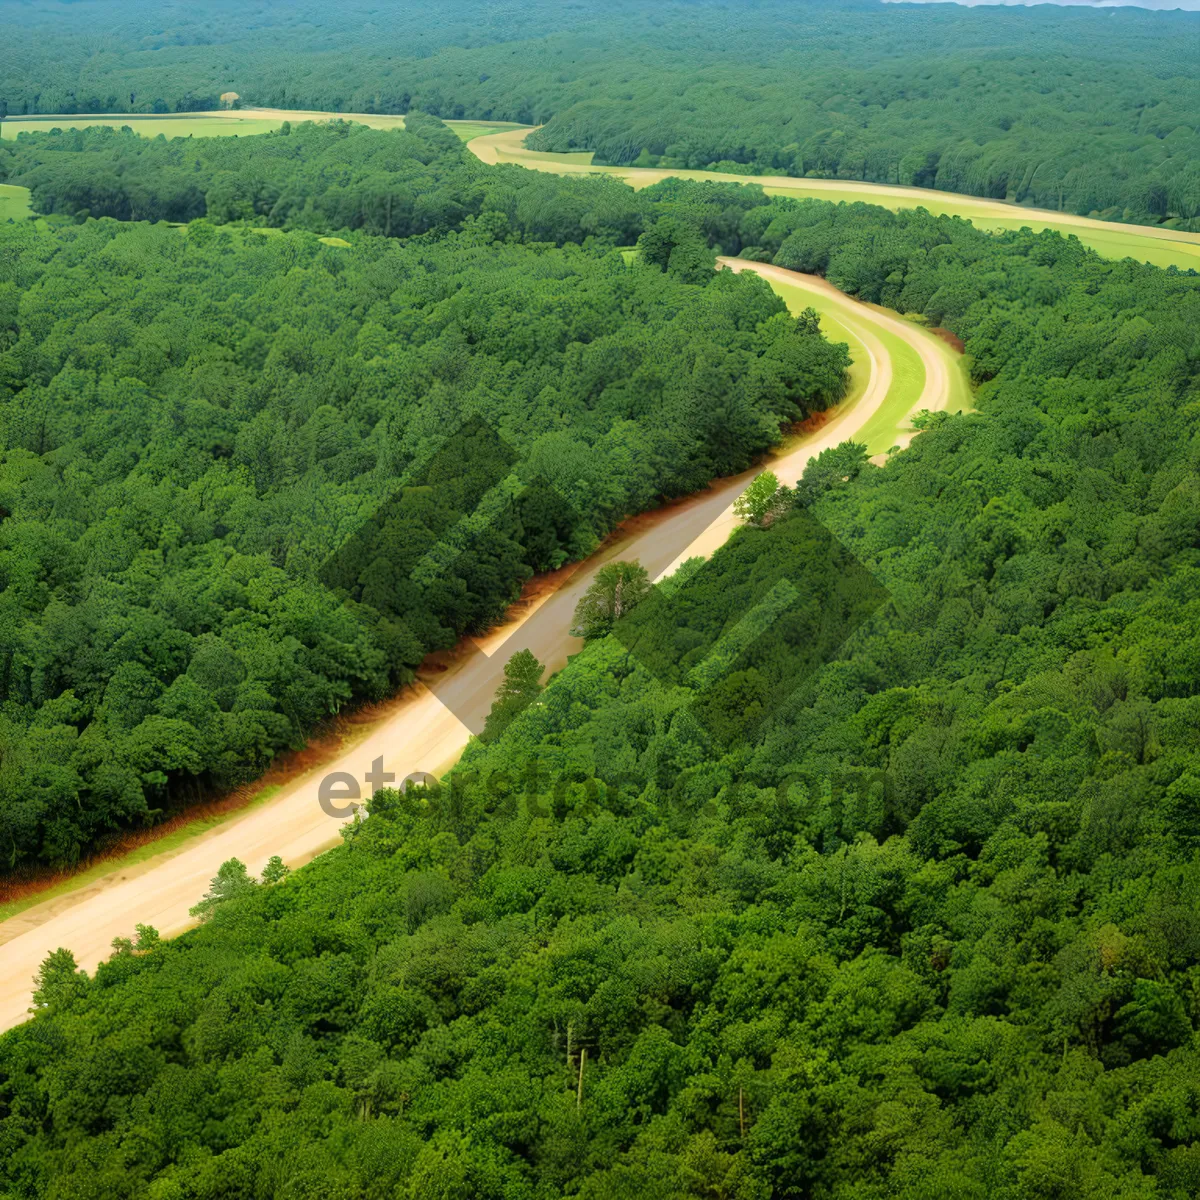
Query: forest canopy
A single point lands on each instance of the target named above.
(213, 445)
(928, 931)
(322, 177)
(1064, 108)
(861, 861)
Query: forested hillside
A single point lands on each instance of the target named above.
(1062, 108)
(929, 931)
(197, 422)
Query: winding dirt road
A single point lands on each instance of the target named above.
(421, 734)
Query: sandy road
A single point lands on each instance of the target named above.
(421, 734)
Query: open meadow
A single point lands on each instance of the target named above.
(184, 125)
(14, 202)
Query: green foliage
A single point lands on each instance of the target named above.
(1067, 109)
(58, 981)
(617, 589)
(326, 178)
(147, 936)
(231, 880)
(520, 687)
(242, 477)
(762, 500)
(927, 929)
(832, 468)
(921, 922)
(677, 247)
(275, 871)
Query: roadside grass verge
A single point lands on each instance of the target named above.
(159, 840)
(883, 429)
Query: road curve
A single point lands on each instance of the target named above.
(420, 733)
(938, 387)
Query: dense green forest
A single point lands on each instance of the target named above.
(316, 176)
(1062, 108)
(929, 930)
(227, 453)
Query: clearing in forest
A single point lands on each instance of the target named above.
(150, 127)
(14, 202)
(473, 129)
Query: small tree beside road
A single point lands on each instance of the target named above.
(618, 589)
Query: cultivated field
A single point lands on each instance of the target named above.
(473, 129)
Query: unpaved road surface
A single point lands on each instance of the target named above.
(421, 734)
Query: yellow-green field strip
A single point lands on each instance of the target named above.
(231, 123)
(467, 130)
(1161, 247)
(798, 298)
(14, 202)
(501, 141)
(149, 127)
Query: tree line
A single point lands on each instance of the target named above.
(1066, 109)
(323, 177)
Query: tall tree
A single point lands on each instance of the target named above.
(520, 687)
(762, 501)
(617, 589)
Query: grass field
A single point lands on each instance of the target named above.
(150, 127)
(473, 129)
(14, 202)
(890, 422)
(223, 124)
(887, 426)
(1117, 243)
(500, 141)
